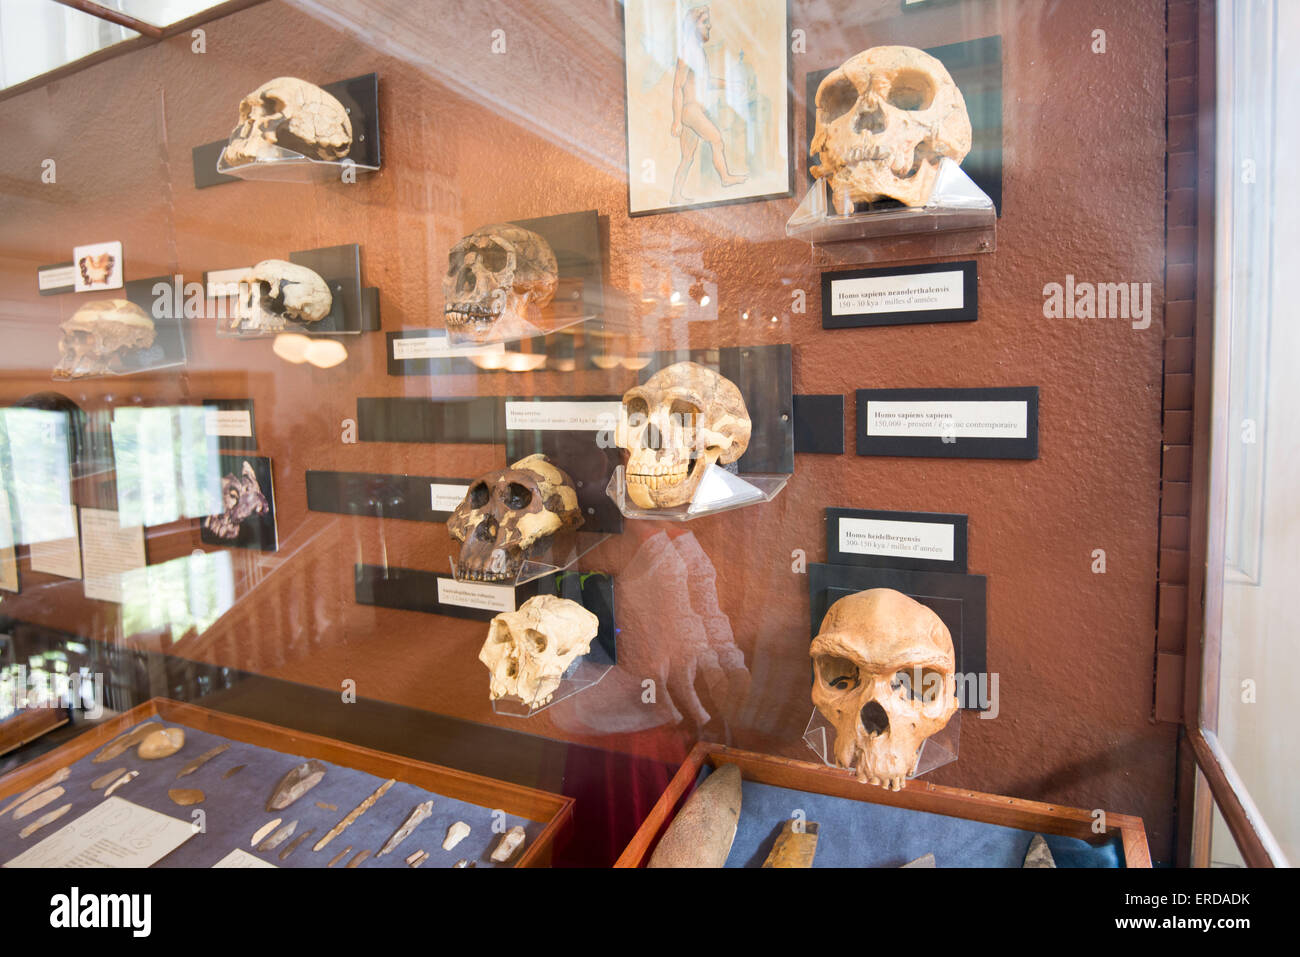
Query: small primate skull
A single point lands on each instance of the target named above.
(99, 334)
(292, 114)
(685, 418)
(510, 513)
(498, 280)
(883, 675)
(242, 498)
(885, 120)
(275, 291)
(529, 650)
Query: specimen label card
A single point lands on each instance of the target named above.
(497, 598)
(415, 498)
(949, 423)
(232, 423)
(60, 556)
(894, 295)
(241, 859)
(434, 345)
(924, 541)
(562, 416)
(116, 833)
(445, 498)
(54, 279)
(108, 551)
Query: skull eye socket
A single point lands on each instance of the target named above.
(455, 261)
(684, 411)
(493, 257)
(478, 495)
(911, 91)
(536, 639)
(837, 99)
(902, 684)
(637, 407)
(923, 685)
(838, 673)
(518, 496)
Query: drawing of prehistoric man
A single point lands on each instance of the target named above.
(691, 122)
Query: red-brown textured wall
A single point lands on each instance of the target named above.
(471, 138)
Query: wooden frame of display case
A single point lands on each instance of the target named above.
(917, 796)
(554, 810)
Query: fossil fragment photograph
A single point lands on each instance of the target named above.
(247, 518)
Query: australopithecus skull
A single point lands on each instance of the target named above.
(98, 336)
(885, 120)
(529, 650)
(684, 418)
(292, 114)
(510, 514)
(498, 279)
(275, 291)
(883, 675)
(241, 498)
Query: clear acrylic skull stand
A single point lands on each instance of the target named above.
(585, 672)
(719, 490)
(559, 554)
(288, 166)
(939, 749)
(956, 204)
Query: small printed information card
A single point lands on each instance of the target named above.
(895, 295)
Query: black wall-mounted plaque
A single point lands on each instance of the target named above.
(169, 346)
(764, 375)
(585, 450)
(575, 240)
(354, 308)
(920, 541)
(415, 498)
(900, 295)
(55, 279)
(594, 591)
(819, 424)
(413, 419)
(231, 420)
(959, 600)
(997, 423)
(976, 67)
(358, 95)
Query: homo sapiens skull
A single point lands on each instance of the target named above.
(98, 335)
(292, 114)
(510, 514)
(685, 418)
(886, 119)
(528, 651)
(498, 279)
(884, 677)
(275, 291)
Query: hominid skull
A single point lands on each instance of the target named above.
(99, 334)
(292, 114)
(275, 291)
(885, 120)
(498, 279)
(884, 676)
(685, 418)
(509, 514)
(529, 650)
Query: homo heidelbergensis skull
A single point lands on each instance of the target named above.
(529, 650)
(685, 418)
(241, 498)
(99, 334)
(498, 280)
(509, 514)
(291, 114)
(884, 677)
(275, 291)
(886, 119)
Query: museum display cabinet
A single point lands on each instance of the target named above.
(638, 433)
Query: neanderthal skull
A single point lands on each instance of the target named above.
(685, 418)
(528, 651)
(883, 669)
(275, 291)
(241, 499)
(885, 120)
(498, 279)
(288, 113)
(99, 334)
(508, 515)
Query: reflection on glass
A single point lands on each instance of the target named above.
(167, 465)
(36, 473)
(37, 36)
(182, 595)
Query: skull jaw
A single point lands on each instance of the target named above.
(485, 320)
(851, 185)
(645, 493)
(489, 562)
(880, 759)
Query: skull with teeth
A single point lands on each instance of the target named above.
(684, 418)
(529, 650)
(509, 515)
(276, 291)
(292, 114)
(886, 119)
(498, 280)
(883, 675)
